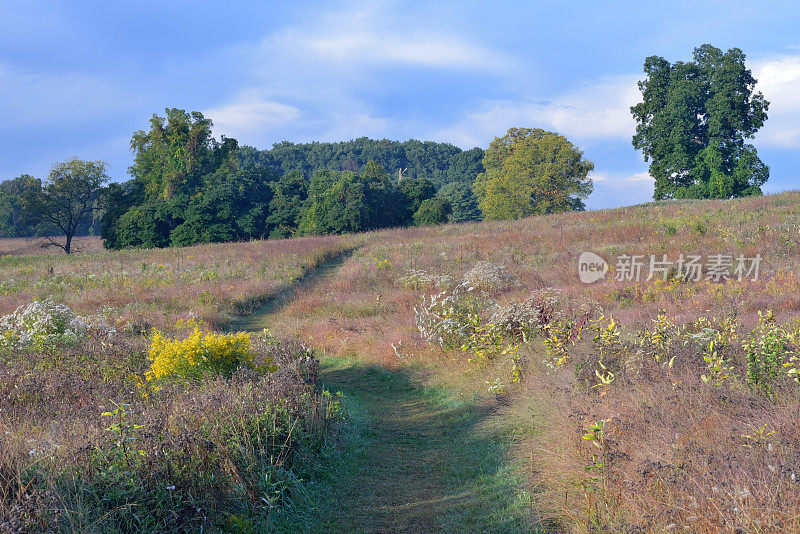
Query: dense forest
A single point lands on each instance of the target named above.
(440, 163)
(188, 187)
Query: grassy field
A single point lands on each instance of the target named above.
(487, 389)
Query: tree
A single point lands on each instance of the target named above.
(692, 124)
(412, 192)
(68, 196)
(433, 211)
(341, 202)
(187, 188)
(465, 166)
(231, 205)
(462, 200)
(289, 194)
(532, 171)
(15, 221)
(173, 154)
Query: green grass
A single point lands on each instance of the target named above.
(414, 459)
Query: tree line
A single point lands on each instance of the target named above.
(187, 187)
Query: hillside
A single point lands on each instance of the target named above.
(487, 388)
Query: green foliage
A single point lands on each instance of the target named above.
(15, 220)
(187, 188)
(657, 343)
(433, 211)
(173, 155)
(719, 369)
(462, 201)
(532, 171)
(146, 225)
(124, 430)
(692, 124)
(440, 163)
(67, 199)
(289, 194)
(346, 202)
(771, 348)
(413, 192)
(230, 205)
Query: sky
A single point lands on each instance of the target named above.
(77, 78)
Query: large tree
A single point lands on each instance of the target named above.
(344, 202)
(187, 188)
(173, 155)
(532, 171)
(693, 122)
(67, 198)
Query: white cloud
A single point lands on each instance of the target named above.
(251, 115)
(615, 188)
(417, 49)
(621, 179)
(383, 33)
(596, 110)
(644, 177)
(324, 78)
(779, 80)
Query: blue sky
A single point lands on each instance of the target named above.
(78, 78)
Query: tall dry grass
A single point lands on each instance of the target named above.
(215, 454)
(673, 445)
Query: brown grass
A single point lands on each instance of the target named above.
(26, 246)
(675, 454)
(672, 446)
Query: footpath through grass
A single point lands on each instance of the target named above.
(411, 458)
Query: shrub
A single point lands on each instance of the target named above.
(488, 276)
(417, 279)
(433, 211)
(450, 317)
(770, 348)
(199, 355)
(45, 322)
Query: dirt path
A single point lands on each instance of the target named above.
(413, 459)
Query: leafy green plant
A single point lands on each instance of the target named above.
(719, 370)
(770, 349)
(657, 343)
(608, 340)
(124, 430)
(595, 483)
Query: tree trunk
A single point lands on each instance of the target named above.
(68, 246)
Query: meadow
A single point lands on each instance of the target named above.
(599, 387)
(623, 405)
(96, 439)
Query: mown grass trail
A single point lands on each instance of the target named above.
(412, 458)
